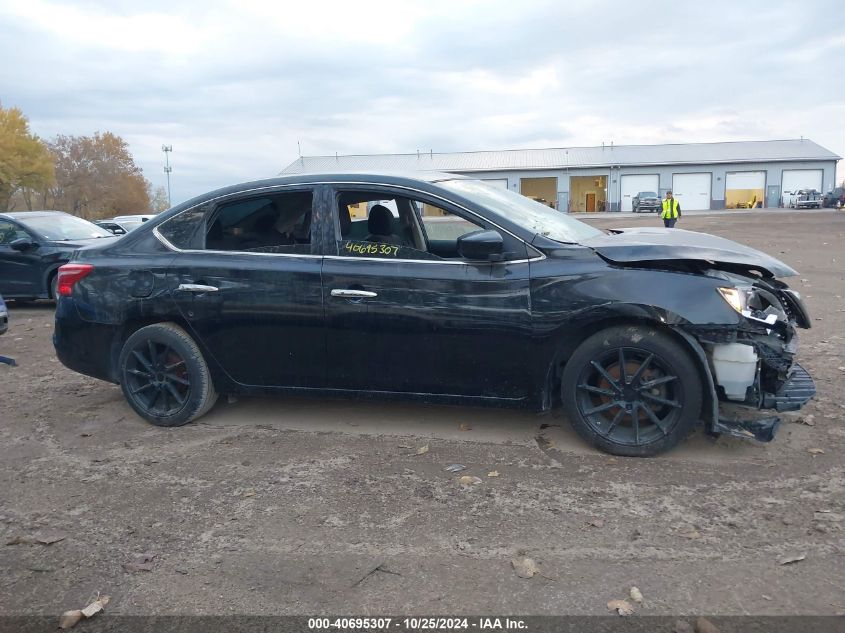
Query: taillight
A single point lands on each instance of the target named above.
(69, 274)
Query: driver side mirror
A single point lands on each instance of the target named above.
(23, 244)
(481, 245)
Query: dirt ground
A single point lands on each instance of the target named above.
(296, 506)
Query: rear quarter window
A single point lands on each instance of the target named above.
(183, 231)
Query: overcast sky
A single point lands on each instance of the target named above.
(233, 86)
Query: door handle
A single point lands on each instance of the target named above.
(199, 288)
(353, 294)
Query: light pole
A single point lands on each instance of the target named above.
(167, 168)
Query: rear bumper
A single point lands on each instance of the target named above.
(83, 346)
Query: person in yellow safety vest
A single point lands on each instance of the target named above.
(671, 211)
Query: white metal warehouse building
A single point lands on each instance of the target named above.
(607, 177)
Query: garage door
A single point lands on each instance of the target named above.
(497, 182)
(692, 191)
(795, 179)
(632, 185)
(744, 189)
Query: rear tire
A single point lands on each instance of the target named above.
(164, 376)
(641, 411)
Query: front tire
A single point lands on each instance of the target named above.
(164, 376)
(632, 391)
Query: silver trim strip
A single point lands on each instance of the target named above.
(429, 261)
(353, 294)
(197, 288)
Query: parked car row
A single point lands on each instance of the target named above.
(122, 224)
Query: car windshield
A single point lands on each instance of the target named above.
(647, 194)
(64, 227)
(530, 215)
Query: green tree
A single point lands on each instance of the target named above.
(25, 162)
(96, 177)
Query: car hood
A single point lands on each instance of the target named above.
(659, 244)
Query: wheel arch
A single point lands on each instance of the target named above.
(575, 336)
(132, 325)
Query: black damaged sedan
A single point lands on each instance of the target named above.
(437, 288)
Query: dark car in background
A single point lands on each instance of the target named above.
(33, 244)
(646, 201)
(467, 293)
(835, 198)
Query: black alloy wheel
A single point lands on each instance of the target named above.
(632, 391)
(629, 396)
(164, 376)
(157, 378)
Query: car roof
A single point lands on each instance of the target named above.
(406, 178)
(23, 215)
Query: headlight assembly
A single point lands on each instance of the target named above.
(737, 298)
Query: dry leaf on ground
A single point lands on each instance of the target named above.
(48, 537)
(469, 480)
(70, 619)
(422, 450)
(636, 595)
(622, 607)
(816, 451)
(703, 625)
(142, 562)
(95, 607)
(493, 473)
(597, 523)
(795, 558)
(465, 427)
(525, 567)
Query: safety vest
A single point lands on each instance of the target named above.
(669, 214)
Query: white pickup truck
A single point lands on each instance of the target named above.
(803, 199)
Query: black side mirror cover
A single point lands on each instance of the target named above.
(23, 244)
(483, 245)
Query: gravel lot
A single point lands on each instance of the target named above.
(288, 506)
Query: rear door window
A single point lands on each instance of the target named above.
(272, 223)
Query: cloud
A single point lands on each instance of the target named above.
(234, 86)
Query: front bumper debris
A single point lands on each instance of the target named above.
(794, 393)
(762, 430)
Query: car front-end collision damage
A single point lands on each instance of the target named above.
(752, 365)
(750, 359)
